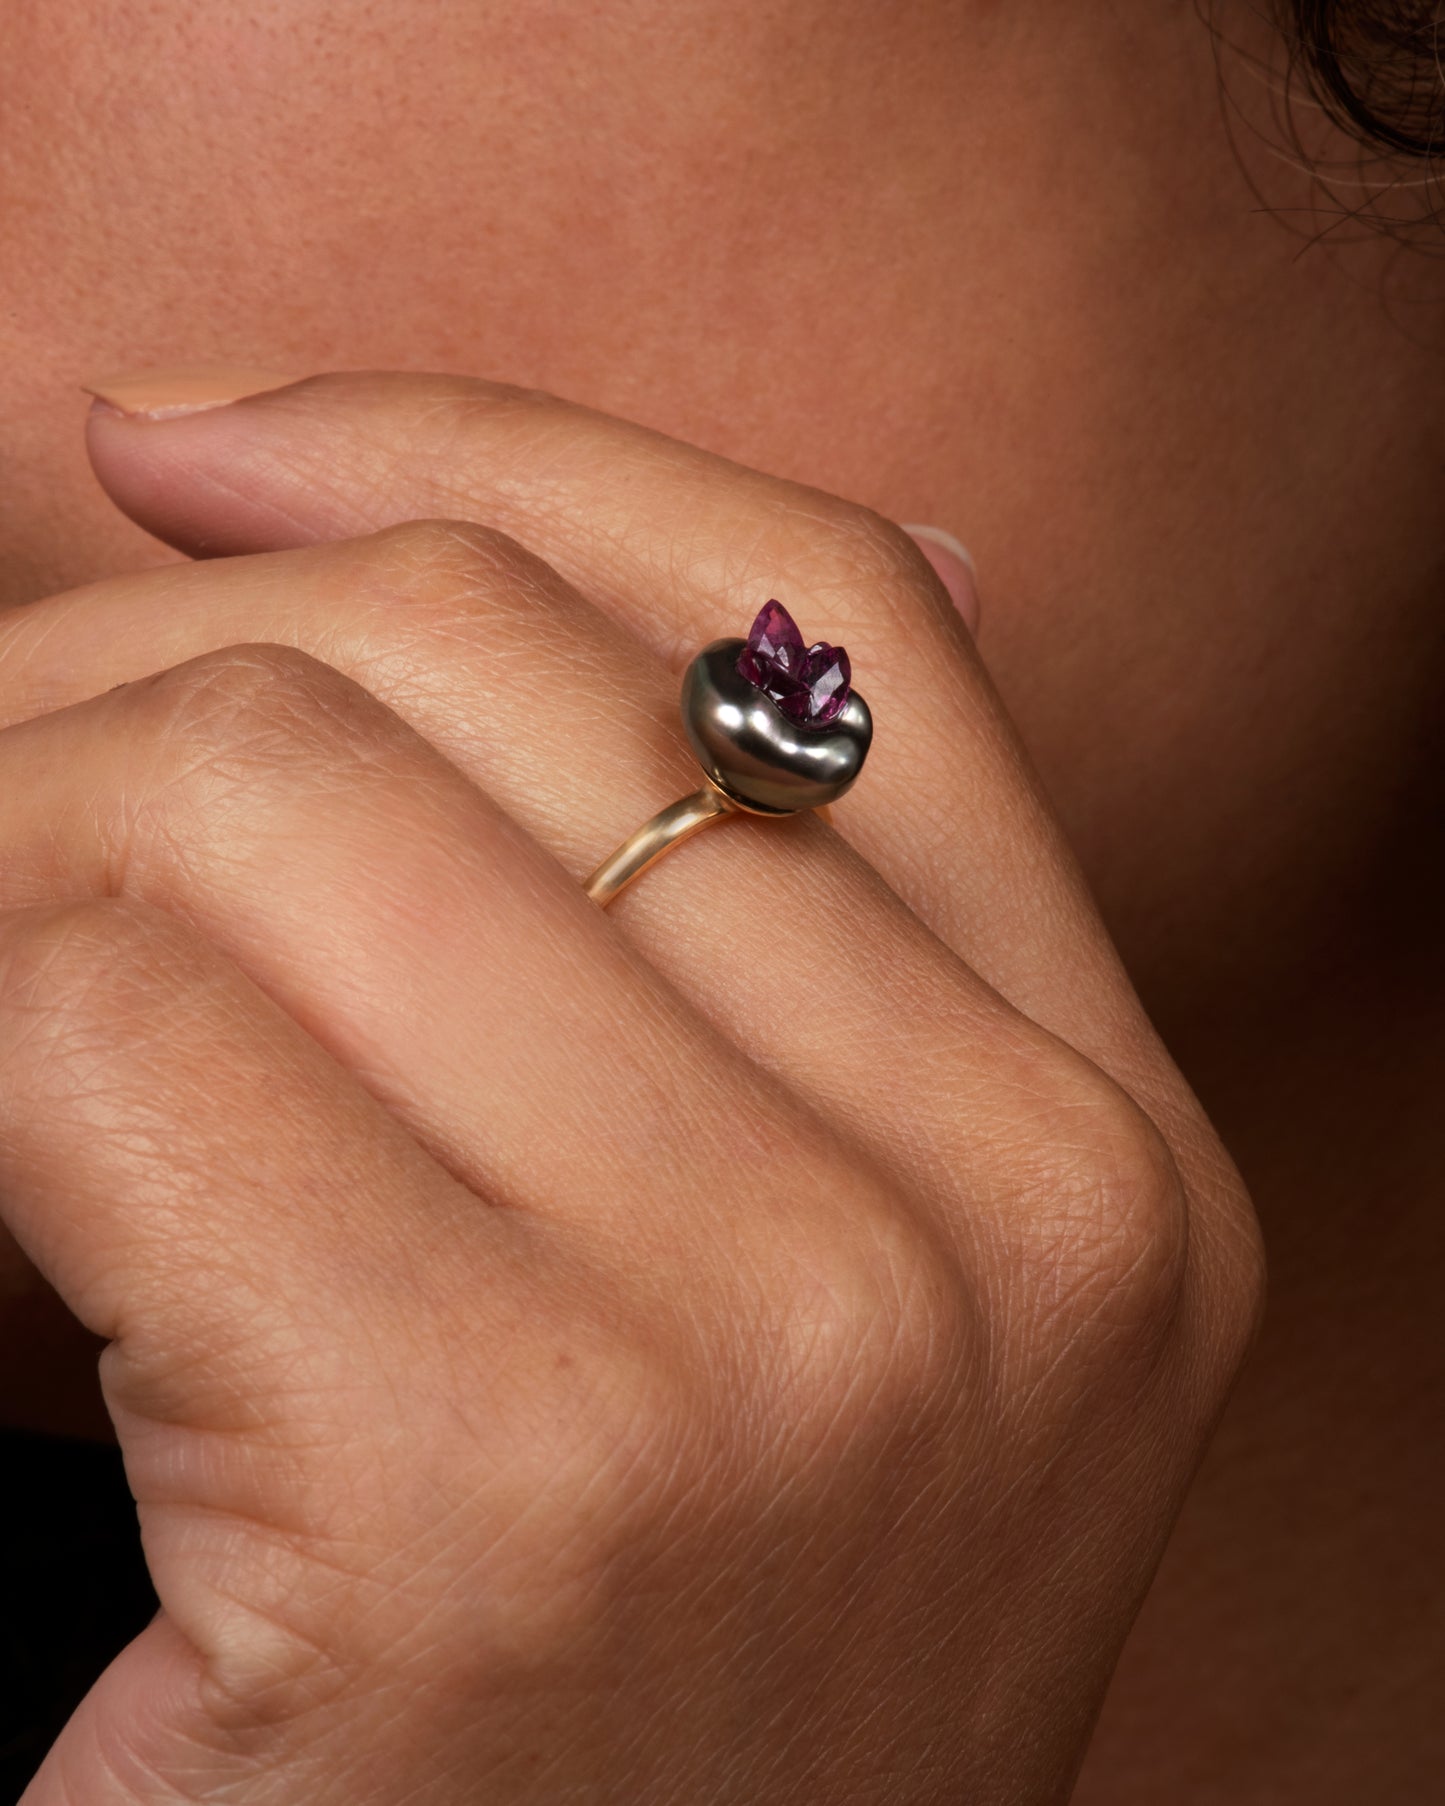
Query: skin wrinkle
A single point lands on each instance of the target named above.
(408, 563)
(990, 266)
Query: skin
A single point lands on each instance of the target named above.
(1198, 469)
(754, 1344)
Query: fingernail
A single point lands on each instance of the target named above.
(954, 565)
(189, 389)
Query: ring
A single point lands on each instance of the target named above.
(777, 727)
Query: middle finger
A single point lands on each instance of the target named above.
(781, 930)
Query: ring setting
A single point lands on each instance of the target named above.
(777, 728)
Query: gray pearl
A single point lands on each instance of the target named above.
(751, 750)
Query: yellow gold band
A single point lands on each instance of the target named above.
(679, 822)
(644, 848)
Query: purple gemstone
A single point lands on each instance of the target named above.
(809, 685)
(824, 691)
(774, 645)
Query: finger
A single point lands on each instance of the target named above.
(200, 1181)
(340, 1378)
(779, 932)
(397, 1455)
(404, 920)
(680, 545)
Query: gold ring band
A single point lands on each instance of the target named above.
(667, 829)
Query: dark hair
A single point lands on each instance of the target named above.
(1360, 106)
(1377, 67)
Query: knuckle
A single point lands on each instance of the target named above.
(873, 575)
(73, 960)
(869, 1325)
(878, 547)
(504, 1532)
(458, 409)
(89, 996)
(617, 1434)
(434, 580)
(569, 1455)
(228, 712)
(1099, 1221)
(92, 997)
(442, 558)
(850, 548)
(530, 1493)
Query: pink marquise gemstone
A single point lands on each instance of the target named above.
(827, 679)
(809, 684)
(774, 646)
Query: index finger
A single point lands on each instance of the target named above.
(681, 545)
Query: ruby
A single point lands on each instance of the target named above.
(809, 684)
(827, 679)
(774, 646)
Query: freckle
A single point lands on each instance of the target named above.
(565, 1360)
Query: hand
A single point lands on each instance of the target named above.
(748, 1346)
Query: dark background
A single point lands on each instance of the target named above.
(73, 1588)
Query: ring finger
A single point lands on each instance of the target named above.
(570, 726)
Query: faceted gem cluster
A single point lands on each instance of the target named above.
(810, 684)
